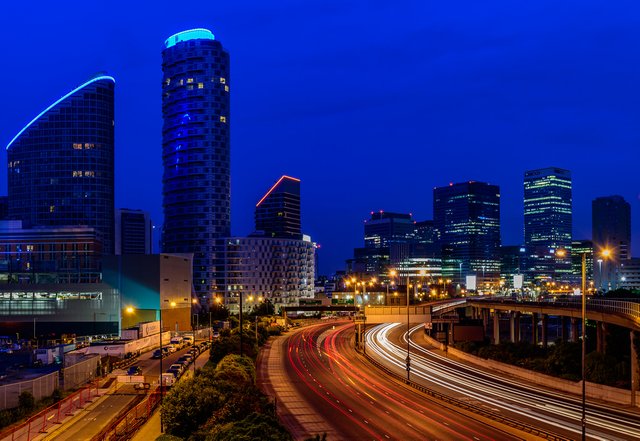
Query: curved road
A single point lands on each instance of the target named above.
(544, 408)
(356, 401)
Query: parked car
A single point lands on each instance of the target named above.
(188, 358)
(134, 370)
(158, 353)
(168, 379)
(176, 372)
(178, 366)
(216, 334)
(171, 349)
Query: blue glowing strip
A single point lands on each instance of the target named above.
(191, 34)
(92, 80)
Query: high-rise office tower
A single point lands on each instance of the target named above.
(134, 232)
(547, 223)
(385, 228)
(611, 231)
(196, 152)
(467, 217)
(278, 212)
(61, 164)
(578, 248)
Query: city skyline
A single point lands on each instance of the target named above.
(355, 147)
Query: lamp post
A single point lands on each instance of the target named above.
(408, 335)
(583, 292)
(240, 324)
(392, 275)
(161, 379)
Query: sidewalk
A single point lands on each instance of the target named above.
(293, 412)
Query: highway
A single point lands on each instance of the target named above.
(544, 408)
(360, 403)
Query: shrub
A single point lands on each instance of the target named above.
(26, 402)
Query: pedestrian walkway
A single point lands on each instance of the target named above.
(292, 409)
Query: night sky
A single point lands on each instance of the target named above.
(370, 103)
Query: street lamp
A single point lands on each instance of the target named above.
(392, 275)
(583, 291)
(408, 334)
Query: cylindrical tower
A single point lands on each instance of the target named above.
(196, 152)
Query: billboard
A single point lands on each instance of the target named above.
(518, 280)
(471, 283)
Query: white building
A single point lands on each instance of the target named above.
(260, 268)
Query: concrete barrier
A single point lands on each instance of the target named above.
(593, 390)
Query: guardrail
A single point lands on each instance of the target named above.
(52, 416)
(626, 308)
(130, 420)
(494, 416)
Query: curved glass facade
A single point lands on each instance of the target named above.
(61, 165)
(196, 153)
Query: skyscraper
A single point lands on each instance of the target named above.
(547, 223)
(467, 217)
(61, 164)
(134, 232)
(611, 230)
(278, 212)
(196, 152)
(385, 228)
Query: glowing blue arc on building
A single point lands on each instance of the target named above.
(92, 80)
(191, 34)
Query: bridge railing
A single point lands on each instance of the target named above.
(626, 308)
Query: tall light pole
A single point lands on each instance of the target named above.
(161, 379)
(408, 335)
(392, 275)
(240, 294)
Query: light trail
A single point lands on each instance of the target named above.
(366, 402)
(526, 401)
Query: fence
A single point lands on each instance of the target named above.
(40, 387)
(51, 416)
(80, 373)
(125, 426)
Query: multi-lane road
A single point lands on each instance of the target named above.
(359, 403)
(545, 408)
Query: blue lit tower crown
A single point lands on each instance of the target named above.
(195, 151)
(61, 164)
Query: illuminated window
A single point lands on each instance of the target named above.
(90, 173)
(189, 80)
(226, 88)
(181, 82)
(223, 119)
(77, 173)
(200, 86)
(168, 81)
(89, 146)
(77, 146)
(223, 80)
(29, 247)
(52, 208)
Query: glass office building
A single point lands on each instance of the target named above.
(196, 153)
(61, 164)
(547, 223)
(278, 212)
(467, 216)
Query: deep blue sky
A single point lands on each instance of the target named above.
(370, 103)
